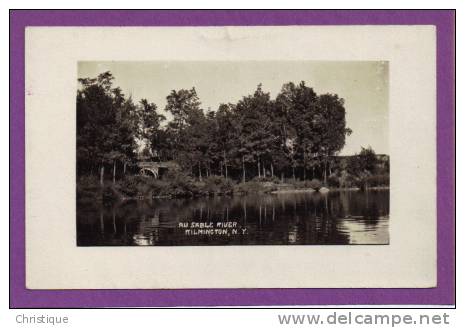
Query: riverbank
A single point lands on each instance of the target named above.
(184, 186)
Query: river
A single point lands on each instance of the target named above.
(335, 218)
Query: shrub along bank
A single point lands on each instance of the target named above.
(180, 185)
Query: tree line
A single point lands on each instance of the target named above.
(296, 134)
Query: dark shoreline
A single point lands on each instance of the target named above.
(149, 188)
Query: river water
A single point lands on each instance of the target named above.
(335, 218)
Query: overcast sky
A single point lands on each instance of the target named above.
(363, 85)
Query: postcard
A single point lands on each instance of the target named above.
(230, 157)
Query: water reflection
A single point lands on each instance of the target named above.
(347, 217)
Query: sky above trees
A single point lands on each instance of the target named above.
(363, 85)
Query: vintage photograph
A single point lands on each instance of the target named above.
(209, 153)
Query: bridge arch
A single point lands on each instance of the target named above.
(149, 171)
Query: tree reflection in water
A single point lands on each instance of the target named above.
(342, 217)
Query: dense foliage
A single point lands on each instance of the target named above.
(294, 135)
(248, 146)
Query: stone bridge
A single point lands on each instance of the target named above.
(156, 168)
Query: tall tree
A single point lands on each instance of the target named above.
(330, 126)
(254, 127)
(105, 124)
(181, 104)
(150, 122)
(299, 102)
(188, 129)
(225, 137)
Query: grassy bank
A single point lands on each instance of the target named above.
(180, 185)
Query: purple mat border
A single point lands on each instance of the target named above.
(444, 294)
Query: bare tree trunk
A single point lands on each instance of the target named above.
(324, 170)
(272, 170)
(114, 219)
(125, 165)
(102, 171)
(326, 204)
(263, 170)
(243, 169)
(200, 172)
(282, 177)
(293, 172)
(102, 223)
(225, 164)
(221, 169)
(114, 172)
(258, 167)
(305, 166)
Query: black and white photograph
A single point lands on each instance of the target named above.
(210, 153)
